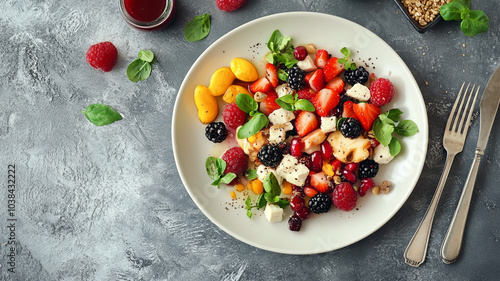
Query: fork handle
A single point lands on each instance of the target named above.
(417, 248)
(453, 239)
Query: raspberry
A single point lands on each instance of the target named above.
(229, 5)
(382, 92)
(233, 116)
(102, 56)
(344, 197)
(236, 160)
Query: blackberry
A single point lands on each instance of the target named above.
(358, 75)
(320, 203)
(294, 223)
(296, 78)
(350, 128)
(270, 155)
(216, 132)
(343, 99)
(292, 132)
(368, 169)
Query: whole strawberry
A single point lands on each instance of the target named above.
(381, 91)
(102, 56)
(344, 197)
(229, 5)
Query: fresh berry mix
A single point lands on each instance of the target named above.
(216, 132)
(229, 5)
(102, 56)
(305, 131)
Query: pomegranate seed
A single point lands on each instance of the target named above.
(326, 150)
(349, 176)
(298, 190)
(334, 112)
(310, 191)
(366, 184)
(303, 213)
(336, 165)
(300, 53)
(296, 147)
(353, 167)
(296, 202)
(374, 143)
(294, 223)
(316, 162)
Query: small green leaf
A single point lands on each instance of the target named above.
(227, 178)
(197, 28)
(465, 3)
(271, 198)
(283, 203)
(138, 70)
(383, 131)
(146, 55)
(248, 203)
(475, 23)
(101, 114)
(453, 11)
(282, 74)
(253, 126)
(271, 185)
(272, 43)
(345, 51)
(286, 106)
(251, 174)
(394, 114)
(394, 146)
(212, 166)
(261, 201)
(407, 128)
(246, 103)
(249, 214)
(304, 105)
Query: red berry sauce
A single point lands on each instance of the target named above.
(145, 10)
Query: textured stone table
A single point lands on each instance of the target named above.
(107, 203)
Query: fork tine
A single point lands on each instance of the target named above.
(463, 113)
(452, 113)
(466, 128)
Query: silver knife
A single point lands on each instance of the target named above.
(488, 110)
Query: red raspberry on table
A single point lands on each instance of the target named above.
(233, 116)
(102, 56)
(229, 5)
(236, 160)
(344, 197)
(381, 91)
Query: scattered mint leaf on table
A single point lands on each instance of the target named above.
(146, 55)
(472, 23)
(197, 28)
(101, 114)
(140, 68)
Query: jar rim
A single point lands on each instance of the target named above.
(147, 24)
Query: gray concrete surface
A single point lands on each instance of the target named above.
(107, 203)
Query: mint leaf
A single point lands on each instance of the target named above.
(138, 70)
(246, 103)
(394, 146)
(304, 105)
(101, 114)
(227, 178)
(146, 55)
(197, 28)
(407, 128)
(271, 185)
(215, 168)
(290, 103)
(253, 126)
(282, 74)
(453, 11)
(394, 114)
(348, 65)
(249, 214)
(261, 201)
(281, 50)
(475, 23)
(251, 174)
(345, 51)
(283, 203)
(383, 131)
(465, 3)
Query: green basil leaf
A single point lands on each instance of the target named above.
(216, 182)
(197, 28)
(270, 198)
(475, 23)
(382, 131)
(146, 55)
(394, 146)
(407, 128)
(276, 37)
(283, 203)
(212, 167)
(138, 70)
(246, 103)
(394, 114)
(282, 74)
(453, 11)
(284, 43)
(288, 98)
(305, 105)
(261, 201)
(271, 185)
(249, 214)
(253, 126)
(251, 174)
(342, 60)
(465, 3)
(284, 105)
(227, 178)
(386, 119)
(101, 114)
(248, 203)
(345, 51)
(270, 59)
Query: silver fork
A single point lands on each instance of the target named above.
(453, 141)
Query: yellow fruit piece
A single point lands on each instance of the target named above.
(257, 186)
(233, 194)
(232, 91)
(206, 104)
(328, 169)
(221, 80)
(240, 187)
(244, 70)
(286, 188)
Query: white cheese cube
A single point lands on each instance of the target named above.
(277, 133)
(293, 172)
(382, 154)
(307, 64)
(281, 116)
(328, 124)
(359, 92)
(283, 90)
(273, 213)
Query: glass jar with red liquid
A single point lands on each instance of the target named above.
(148, 14)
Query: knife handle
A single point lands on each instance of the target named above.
(454, 236)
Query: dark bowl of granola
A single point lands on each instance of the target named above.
(422, 14)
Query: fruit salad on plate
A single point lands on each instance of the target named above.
(309, 135)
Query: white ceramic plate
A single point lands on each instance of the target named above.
(320, 233)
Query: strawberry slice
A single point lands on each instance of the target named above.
(305, 123)
(321, 182)
(317, 82)
(322, 57)
(261, 85)
(325, 100)
(269, 104)
(272, 74)
(308, 77)
(336, 84)
(332, 69)
(306, 94)
(366, 114)
(348, 111)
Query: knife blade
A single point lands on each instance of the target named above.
(488, 108)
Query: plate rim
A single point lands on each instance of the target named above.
(204, 210)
